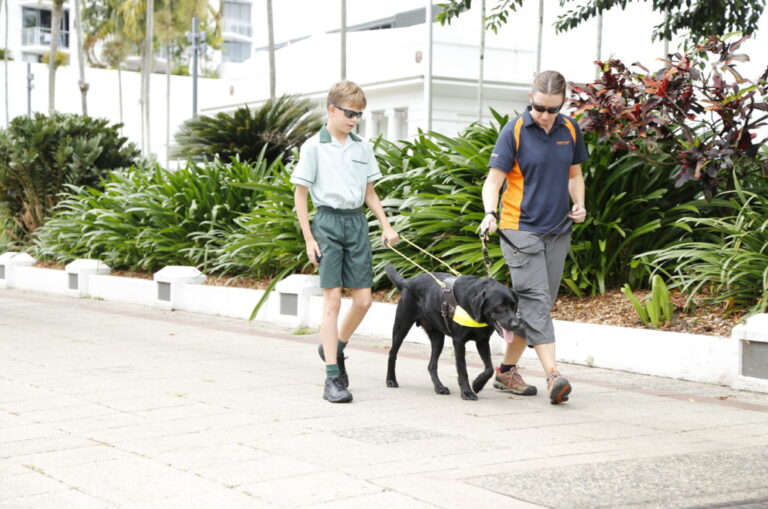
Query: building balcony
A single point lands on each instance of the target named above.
(41, 36)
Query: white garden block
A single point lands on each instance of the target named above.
(37, 279)
(291, 305)
(79, 272)
(221, 300)
(752, 339)
(127, 290)
(170, 278)
(8, 261)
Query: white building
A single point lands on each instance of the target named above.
(387, 54)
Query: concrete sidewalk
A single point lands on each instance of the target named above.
(105, 405)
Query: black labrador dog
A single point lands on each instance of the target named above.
(423, 302)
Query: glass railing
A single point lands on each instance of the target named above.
(41, 36)
(236, 26)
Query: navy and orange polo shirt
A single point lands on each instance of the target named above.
(537, 165)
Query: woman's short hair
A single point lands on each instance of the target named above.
(550, 83)
(347, 92)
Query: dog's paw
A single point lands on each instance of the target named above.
(392, 383)
(442, 390)
(469, 395)
(478, 384)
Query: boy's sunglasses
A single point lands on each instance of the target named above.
(542, 109)
(349, 113)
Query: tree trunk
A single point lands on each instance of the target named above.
(538, 41)
(55, 34)
(146, 71)
(120, 93)
(5, 64)
(271, 33)
(599, 51)
(167, 102)
(480, 79)
(343, 39)
(81, 58)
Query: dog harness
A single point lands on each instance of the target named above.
(452, 312)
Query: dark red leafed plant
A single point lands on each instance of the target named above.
(697, 107)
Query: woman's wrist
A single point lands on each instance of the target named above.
(492, 213)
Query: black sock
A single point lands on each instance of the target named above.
(507, 367)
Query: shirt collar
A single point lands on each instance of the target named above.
(528, 119)
(325, 135)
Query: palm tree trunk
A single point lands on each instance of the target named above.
(55, 34)
(271, 33)
(480, 79)
(167, 101)
(538, 41)
(599, 52)
(81, 58)
(120, 93)
(343, 39)
(5, 64)
(146, 71)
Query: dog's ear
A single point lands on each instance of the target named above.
(476, 304)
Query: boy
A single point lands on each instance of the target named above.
(337, 168)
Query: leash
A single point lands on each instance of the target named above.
(484, 238)
(439, 283)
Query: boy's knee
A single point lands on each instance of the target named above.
(363, 303)
(332, 301)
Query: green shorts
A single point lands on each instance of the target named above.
(346, 256)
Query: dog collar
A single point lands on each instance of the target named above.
(462, 318)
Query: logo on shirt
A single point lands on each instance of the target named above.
(566, 142)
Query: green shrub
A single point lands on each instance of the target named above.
(277, 126)
(729, 261)
(633, 207)
(657, 308)
(147, 218)
(41, 155)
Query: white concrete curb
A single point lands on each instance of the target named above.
(297, 303)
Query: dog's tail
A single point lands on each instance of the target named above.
(394, 276)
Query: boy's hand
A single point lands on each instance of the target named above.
(389, 236)
(313, 252)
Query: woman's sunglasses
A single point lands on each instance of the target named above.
(349, 113)
(542, 109)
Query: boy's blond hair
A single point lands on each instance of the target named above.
(347, 92)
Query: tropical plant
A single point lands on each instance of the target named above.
(730, 261)
(633, 208)
(39, 155)
(657, 308)
(147, 218)
(709, 124)
(276, 127)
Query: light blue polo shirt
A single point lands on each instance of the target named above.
(336, 175)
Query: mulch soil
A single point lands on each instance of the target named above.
(613, 308)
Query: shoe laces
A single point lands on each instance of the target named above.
(516, 377)
(553, 376)
(337, 383)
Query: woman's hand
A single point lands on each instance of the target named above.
(578, 213)
(488, 224)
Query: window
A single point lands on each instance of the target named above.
(237, 18)
(36, 30)
(236, 51)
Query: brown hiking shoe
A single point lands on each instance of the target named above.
(511, 381)
(559, 388)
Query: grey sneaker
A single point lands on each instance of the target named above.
(340, 363)
(511, 381)
(559, 388)
(335, 392)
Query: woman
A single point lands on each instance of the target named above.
(537, 161)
